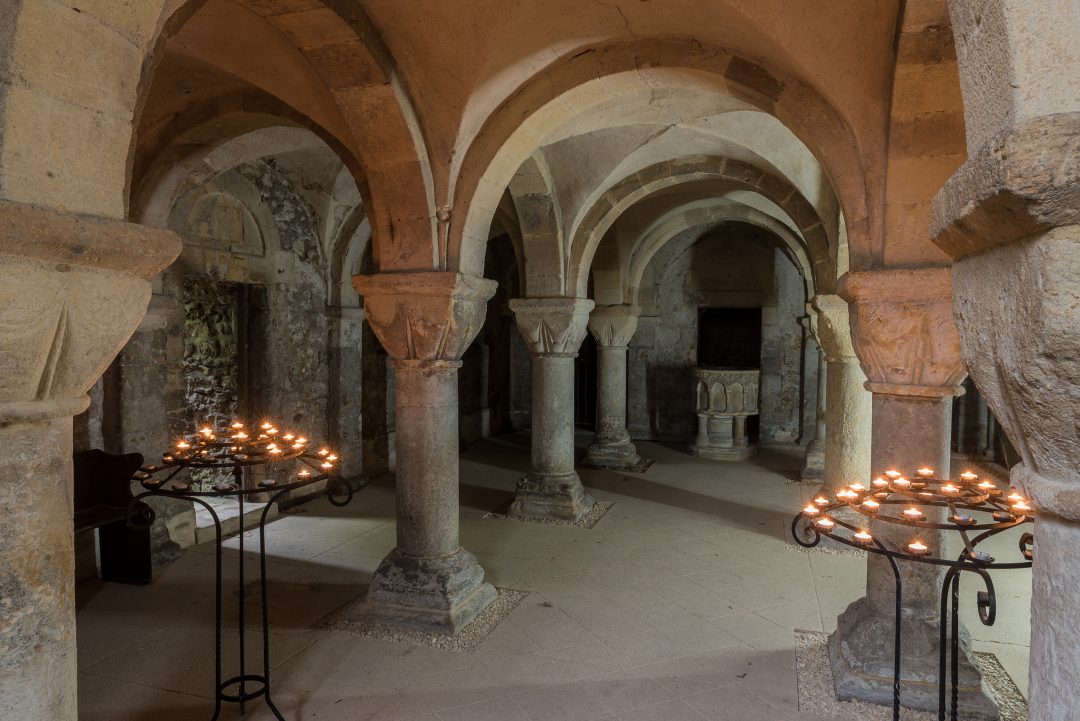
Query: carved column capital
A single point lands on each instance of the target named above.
(832, 327)
(903, 331)
(552, 326)
(75, 289)
(425, 319)
(614, 325)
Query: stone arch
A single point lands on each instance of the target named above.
(67, 129)
(573, 84)
(633, 189)
(540, 224)
(708, 214)
(339, 41)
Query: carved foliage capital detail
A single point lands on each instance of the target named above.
(832, 327)
(552, 326)
(614, 325)
(427, 317)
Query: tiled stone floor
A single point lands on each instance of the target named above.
(679, 605)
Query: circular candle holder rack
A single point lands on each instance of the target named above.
(238, 449)
(975, 510)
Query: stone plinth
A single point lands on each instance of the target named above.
(426, 321)
(724, 400)
(553, 328)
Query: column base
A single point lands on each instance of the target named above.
(543, 496)
(861, 656)
(814, 467)
(614, 456)
(438, 594)
(723, 453)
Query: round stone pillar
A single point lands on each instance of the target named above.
(74, 290)
(814, 465)
(426, 321)
(904, 334)
(553, 329)
(847, 402)
(612, 326)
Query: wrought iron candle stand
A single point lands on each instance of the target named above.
(235, 451)
(961, 500)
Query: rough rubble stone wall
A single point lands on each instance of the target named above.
(728, 267)
(211, 351)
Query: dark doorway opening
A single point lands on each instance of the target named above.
(585, 385)
(729, 338)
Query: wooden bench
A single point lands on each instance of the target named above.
(102, 496)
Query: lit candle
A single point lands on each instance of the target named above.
(925, 472)
(301, 440)
(297, 445)
(240, 436)
(825, 523)
(331, 457)
(949, 488)
(847, 495)
(893, 474)
(275, 451)
(327, 465)
(183, 444)
(969, 477)
(880, 483)
(288, 437)
(901, 483)
(913, 514)
(272, 431)
(307, 474)
(266, 426)
(324, 451)
(206, 432)
(862, 537)
(918, 548)
(821, 501)
(857, 487)
(987, 486)
(871, 506)
(1015, 497)
(237, 425)
(1021, 506)
(810, 510)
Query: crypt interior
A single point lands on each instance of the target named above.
(599, 314)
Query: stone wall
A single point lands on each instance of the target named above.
(738, 266)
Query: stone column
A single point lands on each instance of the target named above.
(903, 332)
(847, 403)
(74, 290)
(814, 465)
(553, 328)
(425, 321)
(612, 326)
(1010, 219)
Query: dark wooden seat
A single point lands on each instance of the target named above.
(102, 496)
